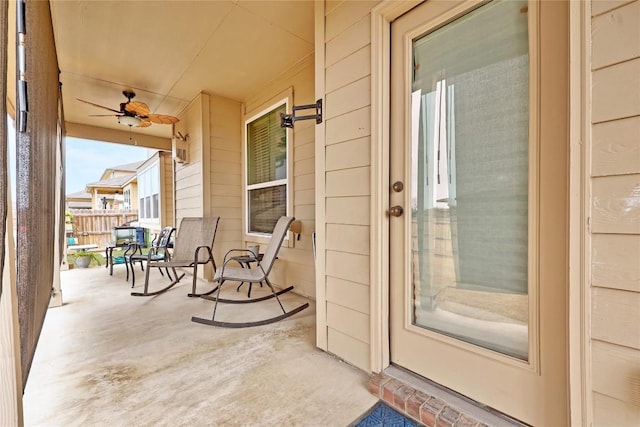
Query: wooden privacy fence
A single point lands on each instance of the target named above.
(95, 226)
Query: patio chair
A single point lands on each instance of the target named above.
(193, 246)
(159, 251)
(252, 275)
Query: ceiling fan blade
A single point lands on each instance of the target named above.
(138, 108)
(162, 119)
(98, 105)
(105, 115)
(144, 123)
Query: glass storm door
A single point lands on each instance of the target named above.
(469, 281)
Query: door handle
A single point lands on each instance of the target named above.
(396, 211)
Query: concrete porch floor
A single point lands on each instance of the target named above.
(107, 358)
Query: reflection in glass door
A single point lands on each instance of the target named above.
(470, 178)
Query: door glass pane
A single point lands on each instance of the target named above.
(470, 178)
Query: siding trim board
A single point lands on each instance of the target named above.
(322, 334)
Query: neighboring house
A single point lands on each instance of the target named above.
(154, 194)
(475, 197)
(117, 188)
(79, 200)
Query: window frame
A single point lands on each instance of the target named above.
(273, 104)
(145, 179)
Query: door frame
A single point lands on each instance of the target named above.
(579, 377)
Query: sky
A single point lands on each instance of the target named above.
(86, 160)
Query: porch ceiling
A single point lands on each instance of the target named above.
(169, 51)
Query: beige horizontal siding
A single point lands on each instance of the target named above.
(347, 70)
(616, 92)
(616, 147)
(348, 182)
(190, 171)
(226, 156)
(353, 39)
(226, 201)
(225, 123)
(616, 317)
(304, 133)
(349, 154)
(349, 349)
(354, 296)
(348, 210)
(616, 204)
(304, 197)
(305, 182)
(304, 167)
(225, 165)
(346, 15)
(349, 322)
(226, 144)
(305, 213)
(347, 179)
(616, 38)
(351, 267)
(225, 190)
(348, 238)
(615, 261)
(610, 412)
(615, 371)
(226, 214)
(221, 166)
(353, 96)
(191, 203)
(225, 178)
(353, 125)
(304, 152)
(601, 6)
(187, 192)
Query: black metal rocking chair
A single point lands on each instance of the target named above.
(159, 251)
(253, 275)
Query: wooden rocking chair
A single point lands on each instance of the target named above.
(252, 275)
(193, 246)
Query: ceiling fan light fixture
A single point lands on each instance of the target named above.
(129, 121)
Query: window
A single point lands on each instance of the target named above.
(149, 193)
(266, 171)
(127, 198)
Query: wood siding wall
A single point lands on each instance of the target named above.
(295, 264)
(166, 189)
(224, 176)
(348, 179)
(188, 176)
(615, 212)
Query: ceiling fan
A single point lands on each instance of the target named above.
(133, 113)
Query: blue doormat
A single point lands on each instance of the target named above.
(383, 415)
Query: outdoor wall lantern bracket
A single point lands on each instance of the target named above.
(287, 120)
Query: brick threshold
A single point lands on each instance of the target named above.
(431, 406)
